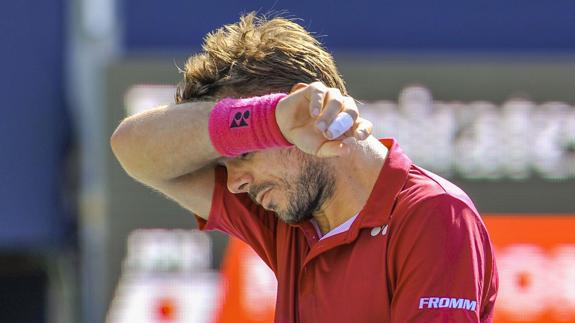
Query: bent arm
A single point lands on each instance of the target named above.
(165, 143)
(169, 149)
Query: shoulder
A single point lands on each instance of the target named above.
(424, 190)
(439, 229)
(431, 203)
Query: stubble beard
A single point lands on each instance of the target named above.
(305, 196)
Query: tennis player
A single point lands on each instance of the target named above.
(265, 144)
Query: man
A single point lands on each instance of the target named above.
(352, 229)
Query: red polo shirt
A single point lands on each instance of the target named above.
(417, 252)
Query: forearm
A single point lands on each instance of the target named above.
(165, 143)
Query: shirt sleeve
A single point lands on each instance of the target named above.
(442, 268)
(239, 216)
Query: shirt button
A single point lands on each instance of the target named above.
(384, 230)
(375, 231)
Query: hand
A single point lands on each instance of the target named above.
(319, 120)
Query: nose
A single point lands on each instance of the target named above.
(239, 180)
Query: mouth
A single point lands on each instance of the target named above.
(261, 195)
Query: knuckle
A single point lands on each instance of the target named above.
(354, 114)
(318, 86)
(350, 102)
(351, 108)
(335, 93)
(336, 99)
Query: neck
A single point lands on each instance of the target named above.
(355, 176)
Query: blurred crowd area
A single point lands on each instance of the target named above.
(480, 94)
(517, 139)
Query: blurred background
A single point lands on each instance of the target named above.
(482, 93)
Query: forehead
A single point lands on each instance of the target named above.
(273, 156)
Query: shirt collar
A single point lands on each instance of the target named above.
(378, 208)
(389, 183)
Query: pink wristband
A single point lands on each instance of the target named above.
(239, 126)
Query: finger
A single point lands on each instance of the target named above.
(333, 104)
(345, 122)
(341, 124)
(350, 107)
(316, 93)
(363, 129)
(297, 87)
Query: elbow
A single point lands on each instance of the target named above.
(119, 141)
(122, 143)
(125, 145)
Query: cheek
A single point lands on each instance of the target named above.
(287, 176)
(291, 164)
(282, 167)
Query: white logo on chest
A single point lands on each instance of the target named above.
(377, 230)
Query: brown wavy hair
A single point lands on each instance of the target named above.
(256, 56)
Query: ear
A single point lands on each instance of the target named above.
(297, 86)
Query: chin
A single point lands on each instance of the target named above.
(293, 219)
(289, 221)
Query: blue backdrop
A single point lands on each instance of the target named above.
(34, 127)
(417, 25)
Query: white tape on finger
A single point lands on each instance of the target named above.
(342, 123)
